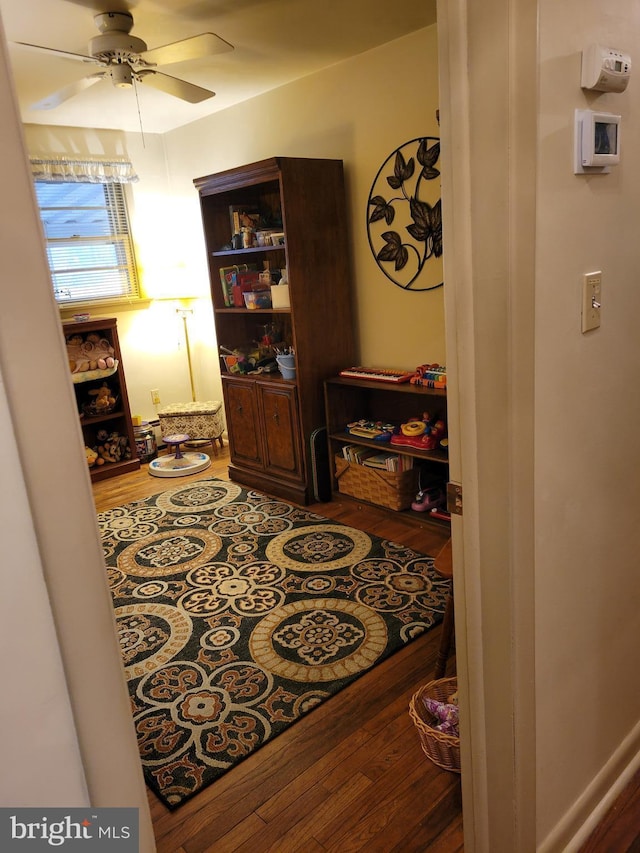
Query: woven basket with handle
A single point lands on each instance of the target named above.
(393, 489)
(443, 749)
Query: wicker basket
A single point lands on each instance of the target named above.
(392, 489)
(443, 749)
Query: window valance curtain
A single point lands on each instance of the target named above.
(72, 170)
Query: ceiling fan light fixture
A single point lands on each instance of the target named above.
(121, 76)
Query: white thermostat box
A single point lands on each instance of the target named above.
(605, 69)
(597, 141)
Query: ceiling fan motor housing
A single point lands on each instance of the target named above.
(116, 46)
(108, 22)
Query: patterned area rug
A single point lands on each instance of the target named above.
(238, 613)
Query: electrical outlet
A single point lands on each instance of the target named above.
(591, 300)
(155, 396)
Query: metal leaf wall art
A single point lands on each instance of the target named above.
(404, 216)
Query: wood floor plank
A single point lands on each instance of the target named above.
(450, 840)
(268, 834)
(248, 828)
(335, 803)
(619, 831)
(377, 751)
(302, 824)
(336, 756)
(409, 827)
(351, 833)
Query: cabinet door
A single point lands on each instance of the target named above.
(241, 406)
(281, 431)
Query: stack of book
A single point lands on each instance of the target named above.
(373, 459)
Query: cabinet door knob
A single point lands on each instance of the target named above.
(239, 409)
(276, 418)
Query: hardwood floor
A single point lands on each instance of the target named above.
(349, 776)
(619, 831)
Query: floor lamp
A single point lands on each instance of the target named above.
(182, 463)
(184, 313)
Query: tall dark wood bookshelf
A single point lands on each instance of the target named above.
(271, 419)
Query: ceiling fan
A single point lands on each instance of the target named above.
(124, 59)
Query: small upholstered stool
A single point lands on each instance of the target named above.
(201, 421)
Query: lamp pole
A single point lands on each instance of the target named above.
(184, 313)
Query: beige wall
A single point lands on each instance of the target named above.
(587, 482)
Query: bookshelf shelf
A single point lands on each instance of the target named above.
(349, 399)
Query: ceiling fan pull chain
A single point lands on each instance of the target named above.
(135, 88)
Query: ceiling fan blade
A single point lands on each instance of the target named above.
(64, 54)
(178, 88)
(67, 92)
(196, 47)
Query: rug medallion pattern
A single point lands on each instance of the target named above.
(238, 613)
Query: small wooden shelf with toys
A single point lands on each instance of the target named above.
(388, 440)
(95, 361)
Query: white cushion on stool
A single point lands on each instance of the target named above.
(198, 420)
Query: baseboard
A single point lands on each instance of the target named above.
(576, 825)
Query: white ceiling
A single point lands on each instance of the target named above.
(275, 42)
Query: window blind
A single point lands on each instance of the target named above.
(88, 240)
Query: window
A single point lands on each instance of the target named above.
(84, 215)
(89, 244)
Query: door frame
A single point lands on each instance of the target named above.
(488, 117)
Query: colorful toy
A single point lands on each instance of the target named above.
(430, 375)
(428, 499)
(425, 433)
(375, 430)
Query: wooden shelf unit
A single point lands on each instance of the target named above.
(120, 419)
(270, 419)
(348, 399)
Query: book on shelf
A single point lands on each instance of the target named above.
(228, 277)
(371, 458)
(243, 216)
(385, 461)
(356, 453)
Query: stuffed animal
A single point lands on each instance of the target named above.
(92, 353)
(446, 715)
(77, 360)
(98, 352)
(91, 456)
(112, 447)
(104, 399)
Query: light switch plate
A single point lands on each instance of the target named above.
(591, 300)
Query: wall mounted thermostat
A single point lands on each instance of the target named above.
(596, 143)
(605, 69)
